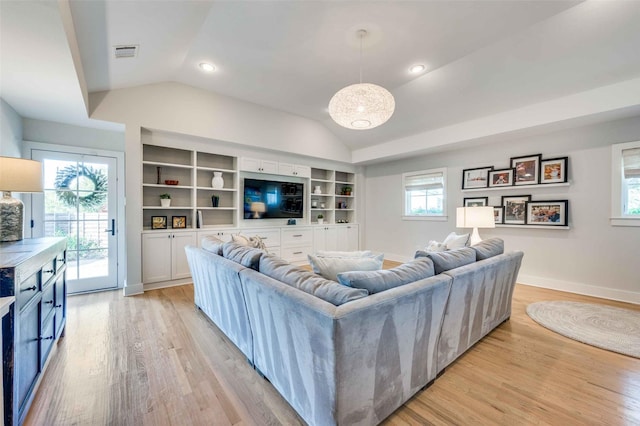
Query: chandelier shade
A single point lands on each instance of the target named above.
(361, 106)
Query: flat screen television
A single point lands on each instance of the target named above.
(268, 199)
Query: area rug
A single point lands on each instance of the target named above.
(606, 327)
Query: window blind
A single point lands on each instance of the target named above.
(422, 182)
(631, 162)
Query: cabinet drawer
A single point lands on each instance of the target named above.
(59, 306)
(295, 254)
(275, 251)
(28, 288)
(270, 237)
(46, 341)
(47, 303)
(48, 271)
(27, 366)
(61, 260)
(297, 237)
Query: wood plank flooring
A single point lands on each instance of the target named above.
(154, 360)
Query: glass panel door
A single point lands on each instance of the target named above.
(79, 204)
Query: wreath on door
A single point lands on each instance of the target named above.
(81, 185)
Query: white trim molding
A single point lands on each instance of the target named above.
(617, 177)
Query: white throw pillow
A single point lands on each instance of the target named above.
(255, 242)
(435, 246)
(326, 253)
(454, 241)
(330, 267)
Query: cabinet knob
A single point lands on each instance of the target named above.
(28, 289)
(49, 302)
(46, 338)
(60, 260)
(297, 252)
(48, 271)
(58, 306)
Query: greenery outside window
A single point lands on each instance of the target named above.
(626, 184)
(425, 194)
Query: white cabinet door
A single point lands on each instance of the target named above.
(347, 238)
(224, 235)
(179, 264)
(267, 166)
(302, 171)
(250, 164)
(286, 169)
(156, 257)
(325, 238)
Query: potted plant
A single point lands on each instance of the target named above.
(347, 190)
(165, 200)
(320, 219)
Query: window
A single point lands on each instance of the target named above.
(425, 194)
(626, 184)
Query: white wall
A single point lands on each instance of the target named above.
(10, 131)
(66, 134)
(592, 257)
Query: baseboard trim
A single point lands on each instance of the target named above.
(579, 288)
(167, 284)
(131, 290)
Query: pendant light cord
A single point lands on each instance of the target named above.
(361, 33)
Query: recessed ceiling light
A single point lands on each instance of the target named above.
(204, 66)
(415, 69)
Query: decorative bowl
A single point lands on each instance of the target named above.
(170, 182)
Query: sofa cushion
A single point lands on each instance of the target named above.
(488, 248)
(327, 290)
(435, 246)
(450, 259)
(212, 244)
(325, 253)
(246, 256)
(455, 241)
(330, 267)
(385, 279)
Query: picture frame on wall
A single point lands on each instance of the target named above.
(178, 222)
(548, 213)
(527, 169)
(158, 222)
(554, 170)
(498, 178)
(476, 202)
(498, 214)
(515, 209)
(476, 178)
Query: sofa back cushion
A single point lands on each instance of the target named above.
(385, 279)
(450, 259)
(327, 290)
(212, 244)
(488, 248)
(246, 256)
(330, 267)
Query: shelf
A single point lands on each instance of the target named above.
(340, 182)
(216, 208)
(177, 166)
(502, 225)
(166, 208)
(315, 209)
(518, 187)
(321, 180)
(216, 169)
(161, 185)
(321, 195)
(208, 188)
(147, 230)
(344, 210)
(345, 196)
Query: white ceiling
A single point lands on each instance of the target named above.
(483, 57)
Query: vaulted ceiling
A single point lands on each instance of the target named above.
(482, 58)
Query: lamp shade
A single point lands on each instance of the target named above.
(20, 175)
(361, 106)
(475, 217)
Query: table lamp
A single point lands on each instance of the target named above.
(475, 217)
(16, 175)
(258, 208)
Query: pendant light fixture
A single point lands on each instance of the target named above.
(361, 106)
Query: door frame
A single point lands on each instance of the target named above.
(121, 232)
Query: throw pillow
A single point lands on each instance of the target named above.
(246, 256)
(212, 244)
(330, 267)
(450, 259)
(294, 276)
(488, 248)
(385, 279)
(435, 246)
(454, 241)
(243, 240)
(326, 253)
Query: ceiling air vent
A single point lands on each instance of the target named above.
(126, 51)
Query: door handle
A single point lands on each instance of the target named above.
(113, 227)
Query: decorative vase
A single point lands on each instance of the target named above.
(317, 190)
(320, 221)
(215, 200)
(165, 202)
(217, 182)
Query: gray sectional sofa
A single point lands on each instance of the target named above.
(342, 356)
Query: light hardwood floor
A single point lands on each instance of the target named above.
(154, 360)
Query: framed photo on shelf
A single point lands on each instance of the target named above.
(502, 177)
(178, 222)
(554, 170)
(158, 222)
(515, 209)
(548, 213)
(476, 202)
(498, 214)
(527, 169)
(475, 178)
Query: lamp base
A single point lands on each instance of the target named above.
(11, 218)
(475, 237)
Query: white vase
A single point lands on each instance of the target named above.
(317, 190)
(217, 182)
(165, 202)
